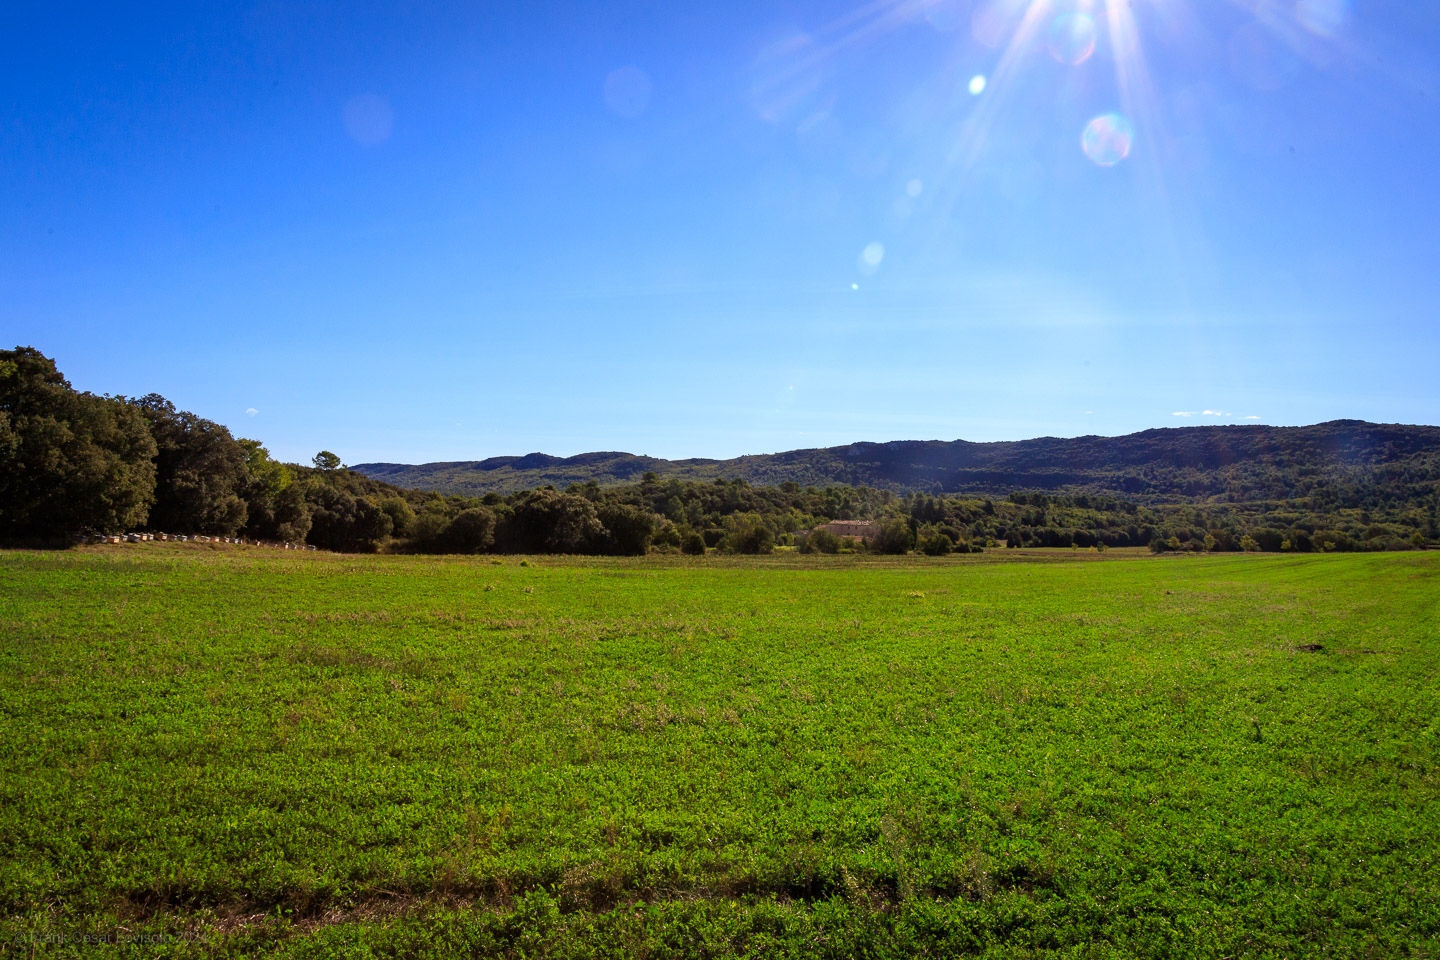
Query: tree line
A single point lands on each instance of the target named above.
(72, 462)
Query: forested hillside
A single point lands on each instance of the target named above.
(1345, 462)
(75, 463)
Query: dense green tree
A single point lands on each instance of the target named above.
(472, 531)
(430, 524)
(894, 536)
(548, 521)
(820, 541)
(402, 515)
(286, 517)
(344, 522)
(747, 533)
(936, 544)
(325, 460)
(627, 529)
(69, 462)
(201, 473)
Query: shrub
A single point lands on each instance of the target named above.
(402, 517)
(894, 537)
(747, 533)
(428, 526)
(693, 544)
(471, 531)
(627, 529)
(820, 541)
(936, 545)
(547, 521)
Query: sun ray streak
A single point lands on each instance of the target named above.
(872, 19)
(998, 86)
(1137, 101)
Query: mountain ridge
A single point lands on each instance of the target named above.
(1229, 461)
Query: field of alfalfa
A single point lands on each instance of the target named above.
(234, 752)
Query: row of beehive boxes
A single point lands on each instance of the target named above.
(177, 538)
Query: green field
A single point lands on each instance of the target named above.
(247, 752)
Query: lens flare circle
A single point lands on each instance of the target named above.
(1072, 38)
(1107, 139)
(977, 84)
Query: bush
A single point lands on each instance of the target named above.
(820, 541)
(747, 533)
(693, 544)
(547, 521)
(472, 531)
(627, 529)
(936, 545)
(894, 537)
(426, 530)
(402, 517)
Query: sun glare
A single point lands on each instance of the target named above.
(1086, 35)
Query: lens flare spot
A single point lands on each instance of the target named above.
(977, 84)
(1325, 17)
(1072, 38)
(1107, 140)
(914, 188)
(871, 256)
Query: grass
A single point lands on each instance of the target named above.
(237, 752)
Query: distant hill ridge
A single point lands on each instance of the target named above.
(1230, 462)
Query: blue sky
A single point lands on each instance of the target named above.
(432, 231)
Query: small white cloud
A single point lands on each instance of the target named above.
(1183, 413)
(1252, 418)
(1215, 413)
(251, 412)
